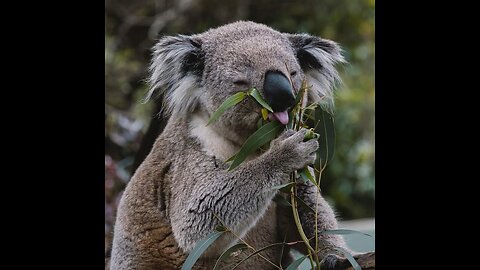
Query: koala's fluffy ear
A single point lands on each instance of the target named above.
(317, 58)
(175, 71)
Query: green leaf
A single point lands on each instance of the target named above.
(262, 136)
(307, 176)
(325, 127)
(256, 95)
(284, 187)
(260, 122)
(310, 135)
(350, 258)
(199, 248)
(226, 254)
(264, 114)
(343, 231)
(228, 103)
(290, 120)
(231, 158)
(296, 264)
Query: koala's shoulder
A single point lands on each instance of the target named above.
(176, 142)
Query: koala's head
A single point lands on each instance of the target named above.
(198, 72)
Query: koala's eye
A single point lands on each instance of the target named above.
(293, 73)
(241, 82)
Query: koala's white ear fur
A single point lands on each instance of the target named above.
(317, 58)
(175, 71)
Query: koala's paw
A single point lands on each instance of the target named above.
(333, 262)
(290, 149)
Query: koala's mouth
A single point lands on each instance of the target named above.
(279, 94)
(282, 117)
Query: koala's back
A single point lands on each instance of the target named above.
(142, 225)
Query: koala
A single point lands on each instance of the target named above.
(182, 190)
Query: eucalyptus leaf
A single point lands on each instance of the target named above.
(307, 176)
(262, 136)
(296, 264)
(350, 258)
(256, 95)
(228, 103)
(343, 232)
(284, 187)
(199, 248)
(325, 128)
(290, 120)
(260, 122)
(231, 158)
(264, 114)
(226, 254)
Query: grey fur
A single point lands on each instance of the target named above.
(172, 198)
(322, 77)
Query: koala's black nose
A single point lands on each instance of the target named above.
(278, 91)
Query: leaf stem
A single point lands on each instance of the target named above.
(299, 225)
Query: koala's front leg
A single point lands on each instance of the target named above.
(240, 197)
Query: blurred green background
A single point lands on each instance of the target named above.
(131, 28)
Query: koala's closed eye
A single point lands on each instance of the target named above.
(241, 82)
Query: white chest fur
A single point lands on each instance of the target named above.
(212, 142)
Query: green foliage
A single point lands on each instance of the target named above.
(258, 139)
(307, 176)
(325, 127)
(296, 263)
(228, 103)
(284, 187)
(344, 231)
(256, 95)
(350, 258)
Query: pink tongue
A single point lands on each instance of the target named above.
(282, 117)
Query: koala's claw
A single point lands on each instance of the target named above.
(312, 145)
(286, 134)
(298, 136)
(293, 151)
